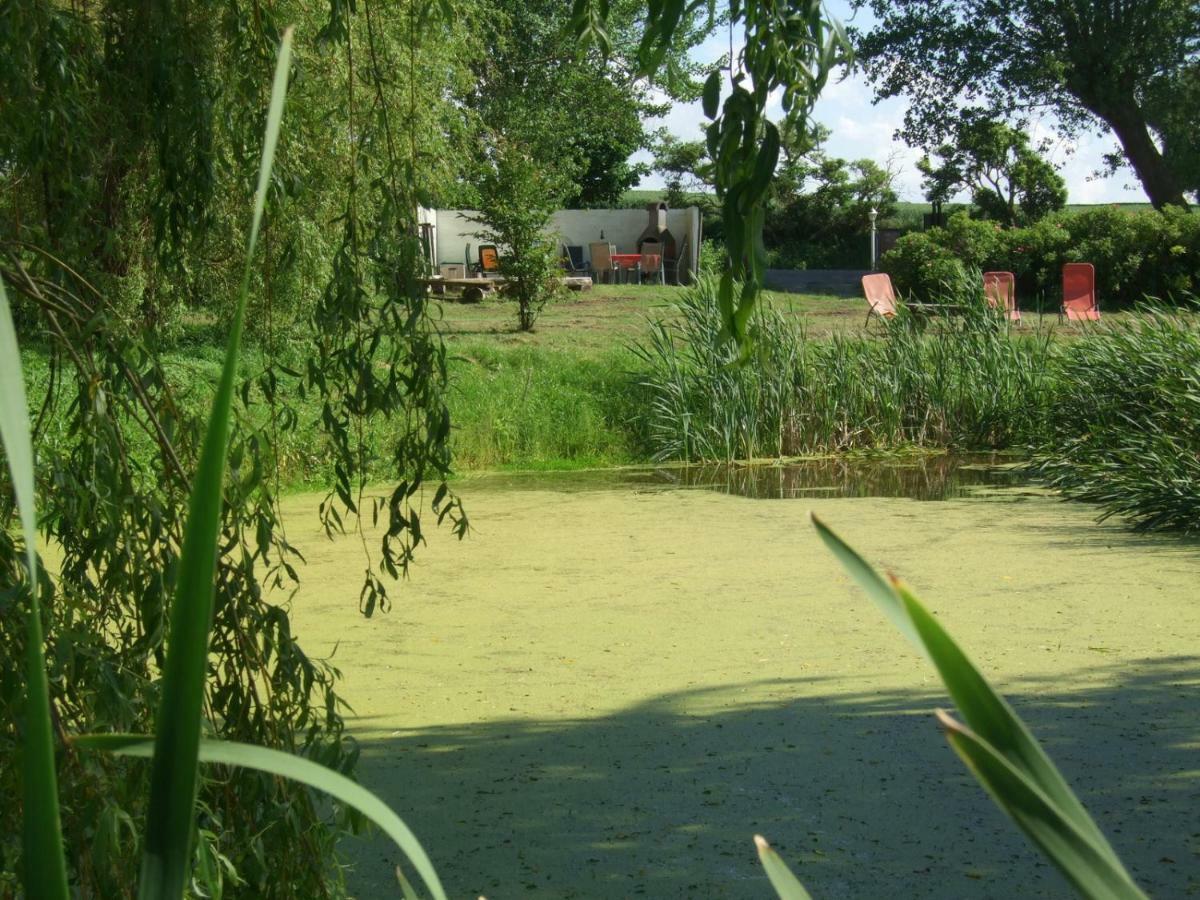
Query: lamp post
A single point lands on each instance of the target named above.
(874, 214)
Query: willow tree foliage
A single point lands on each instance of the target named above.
(128, 143)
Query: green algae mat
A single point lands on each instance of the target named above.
(610, 687)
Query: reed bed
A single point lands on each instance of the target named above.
(1110, 417)
(1123, 423)
(964, 382)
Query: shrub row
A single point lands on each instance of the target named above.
(1136, 255)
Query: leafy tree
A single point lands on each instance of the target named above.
(820, 211)
(517, 196)
(1009, 180)
(581, 113)
(684, 165)
(818, 206)
(1126, 65)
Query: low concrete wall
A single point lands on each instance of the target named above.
(845, 282)
(455, 229)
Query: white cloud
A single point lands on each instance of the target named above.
(860, 129)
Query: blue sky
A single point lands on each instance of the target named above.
(861, 129)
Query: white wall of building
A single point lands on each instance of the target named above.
(455, 230)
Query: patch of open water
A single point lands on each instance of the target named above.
(940, 477)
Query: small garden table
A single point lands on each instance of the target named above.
(627, 262)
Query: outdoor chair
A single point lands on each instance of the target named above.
(572, 259)
(881, 296)
(1000, 289)
(602, 265)
(1079, 293)
(489, 260)
(652, 267)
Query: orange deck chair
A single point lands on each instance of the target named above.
(652, 267)
(489, 260)
(1079, 293)
(881, 296)
(1000, 289)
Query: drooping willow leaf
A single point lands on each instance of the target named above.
(789, 47)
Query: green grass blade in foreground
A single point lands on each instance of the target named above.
(871, 582)
(1093, 872)
(44, 863)
(988, 714)
(295, 768)
(786, 885)
(173, 774)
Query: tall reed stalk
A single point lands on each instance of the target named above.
(1122, 428)
(965, 382)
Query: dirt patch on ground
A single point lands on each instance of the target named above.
(606, 693)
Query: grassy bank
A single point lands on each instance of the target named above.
(626, 375)
(562, 397)
(533, 408)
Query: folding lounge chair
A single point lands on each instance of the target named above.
(652, 267)
(1079, 293)
(1000, 289)
(601, 254)
(881, 296)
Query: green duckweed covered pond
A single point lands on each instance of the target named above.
(619, 678)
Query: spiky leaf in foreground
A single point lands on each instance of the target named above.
(998, 747)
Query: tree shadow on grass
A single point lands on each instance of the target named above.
(858, 790)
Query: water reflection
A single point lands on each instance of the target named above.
(925, 478)
(918, 478)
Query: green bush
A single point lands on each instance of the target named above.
(921, 263)
(712, 257)
(1136, 255)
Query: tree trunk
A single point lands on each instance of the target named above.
(1158, 181)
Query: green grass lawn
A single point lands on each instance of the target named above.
(610, 317)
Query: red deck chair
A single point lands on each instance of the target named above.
(1000, 289)
(881, 297)
(1079, 292)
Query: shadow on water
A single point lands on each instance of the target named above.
(940, 477)
(855, 786)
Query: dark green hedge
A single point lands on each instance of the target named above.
(1136, 255)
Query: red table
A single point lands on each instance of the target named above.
(628, 262)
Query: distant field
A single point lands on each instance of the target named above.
(609, 318)
(908, 213)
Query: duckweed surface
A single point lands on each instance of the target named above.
(613, 684)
